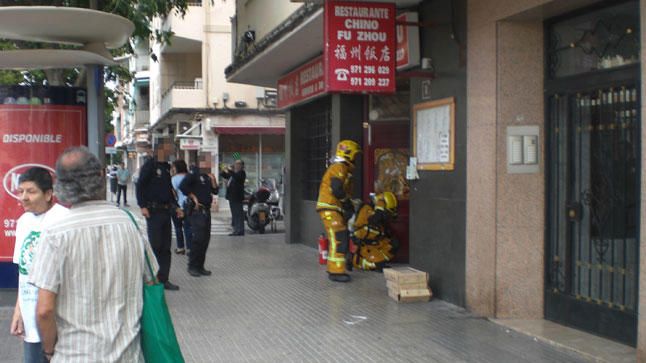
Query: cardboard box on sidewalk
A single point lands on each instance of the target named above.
(405, 275)
(412, 295)
(406, 284)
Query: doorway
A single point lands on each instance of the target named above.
(386, 154)
(593, 171)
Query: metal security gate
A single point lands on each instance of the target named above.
(594, 211)
(593, 169)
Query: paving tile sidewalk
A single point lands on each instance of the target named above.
(271, 302)
(268, 301)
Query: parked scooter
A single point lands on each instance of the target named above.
(258, 214)
(274, 201)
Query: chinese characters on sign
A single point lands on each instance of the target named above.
(302, 84)
(359, 54)
(360, 47)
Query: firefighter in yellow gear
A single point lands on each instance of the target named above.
(375, 246)
(334, 206)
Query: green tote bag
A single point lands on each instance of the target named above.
(158, 340)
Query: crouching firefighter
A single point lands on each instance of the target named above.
(370, 233)
(335, 208)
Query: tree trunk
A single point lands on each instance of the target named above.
(55, 77)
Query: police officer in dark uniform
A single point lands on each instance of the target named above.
(199, 189)
(156, 198)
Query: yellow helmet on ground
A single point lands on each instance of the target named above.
(387, 201)
(348, 150)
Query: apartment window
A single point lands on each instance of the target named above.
(316, 144)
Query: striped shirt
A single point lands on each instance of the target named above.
(93, 259)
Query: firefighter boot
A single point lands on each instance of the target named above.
(337, 257)
(337, 234)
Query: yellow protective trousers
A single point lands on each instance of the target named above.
(371, 256)
(337, 234)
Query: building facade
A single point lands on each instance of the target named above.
(538, 216)
(195, 114)
(132, 115)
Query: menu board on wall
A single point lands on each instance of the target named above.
(434, 133)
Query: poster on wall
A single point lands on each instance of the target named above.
(434, 134)
(36, 125)
(360, 47)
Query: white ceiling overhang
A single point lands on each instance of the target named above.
(66, 25)
(50, 58)
(94, 31)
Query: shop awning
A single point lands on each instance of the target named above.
(222, 130)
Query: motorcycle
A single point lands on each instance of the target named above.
(258, 212)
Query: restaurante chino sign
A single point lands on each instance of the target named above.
(358, 54)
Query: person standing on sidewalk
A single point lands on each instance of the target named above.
(334, 207)
(157, 201)
(182, 225)
(35, 188)
(199, 188)
(236, 176)
(90, 271)
(114, 185)
(123, 177)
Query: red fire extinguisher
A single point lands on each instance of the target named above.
(323, 246)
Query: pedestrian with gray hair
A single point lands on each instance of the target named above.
(90, 269)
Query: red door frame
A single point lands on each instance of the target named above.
(401, 226)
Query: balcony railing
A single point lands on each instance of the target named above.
(196, 84)
(142, 117)
(183, 95)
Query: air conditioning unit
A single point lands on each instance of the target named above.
(271, 98)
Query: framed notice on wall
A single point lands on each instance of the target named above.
(434, 134)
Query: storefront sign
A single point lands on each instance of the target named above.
(141, 136)
(360, 46)
(407, 41)
(302, 84)
(31, 136)
(189, 144)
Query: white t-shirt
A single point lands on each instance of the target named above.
(28, 230)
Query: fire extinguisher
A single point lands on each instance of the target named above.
(323, 246)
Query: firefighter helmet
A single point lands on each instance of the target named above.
(348, 150)
(388, 201)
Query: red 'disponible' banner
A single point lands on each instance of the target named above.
(31, 135)
(305, 82)
(360, 46)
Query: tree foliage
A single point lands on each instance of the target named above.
(140, 12)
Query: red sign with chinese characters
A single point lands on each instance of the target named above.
(31, 136)
(302, 84)
(360, 46)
